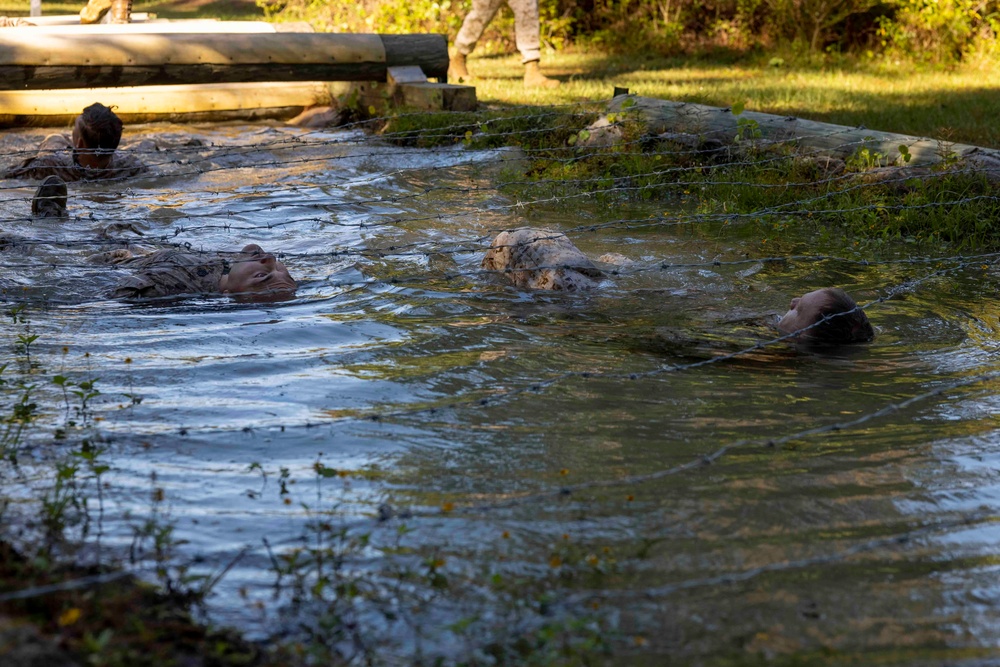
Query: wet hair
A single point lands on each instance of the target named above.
(101, 128)
(50, 199)
(851, 327)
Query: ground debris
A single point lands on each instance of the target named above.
(124, 622)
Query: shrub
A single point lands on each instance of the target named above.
(930, 30)
(940, 31)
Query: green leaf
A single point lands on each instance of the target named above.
(738, 108)
(325, 471)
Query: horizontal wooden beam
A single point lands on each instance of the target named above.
(184, 103)
(159, 26)
(39, 61)
(74, 19)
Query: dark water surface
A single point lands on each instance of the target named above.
(546, 453)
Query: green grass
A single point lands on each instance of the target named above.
(959, 105)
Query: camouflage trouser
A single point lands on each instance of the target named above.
(526, 30)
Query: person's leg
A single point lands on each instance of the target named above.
(527, 34)
(121, 11)
(473, 27)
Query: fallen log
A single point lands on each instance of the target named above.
(721, 126)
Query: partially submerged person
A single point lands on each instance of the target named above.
(827, 316)
(540, 259)
(50, 199)
(251, 274)
(89, 153)
(822, 320)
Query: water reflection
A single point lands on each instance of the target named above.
(576, 426)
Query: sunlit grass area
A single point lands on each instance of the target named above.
(955, 106)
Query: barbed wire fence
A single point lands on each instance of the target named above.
(377, 148)
(498, 199)
(199, 166)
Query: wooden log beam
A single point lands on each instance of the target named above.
(196, 103)
(162, 27)
(428, 52)
(37, 61)
(68, 19)
(842, 141)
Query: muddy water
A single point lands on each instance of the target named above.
(547, 466)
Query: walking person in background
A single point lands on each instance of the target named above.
(526, 32)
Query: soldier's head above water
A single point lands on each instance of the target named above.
(256, 272)
(96, 135)
(540, 259)
(827, 316)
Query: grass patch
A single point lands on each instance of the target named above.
(121, 623)
(766, 187)
(956, 105)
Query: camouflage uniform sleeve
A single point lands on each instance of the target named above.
(134, 287)
(54, 158)
(122, 166)
(117, 256)
(170, 272)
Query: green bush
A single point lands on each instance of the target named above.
(366, 16)
(417, 16)
(812, 23)
(941, 31)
